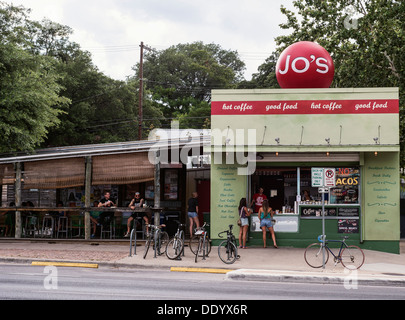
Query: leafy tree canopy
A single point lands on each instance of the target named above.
(366, 39)
(180, 79)
(29, 89)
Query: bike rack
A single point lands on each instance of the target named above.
(133, 235)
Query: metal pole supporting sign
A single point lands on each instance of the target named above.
(323, 178)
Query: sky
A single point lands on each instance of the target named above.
(112, 30)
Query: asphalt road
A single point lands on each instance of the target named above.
(49, 283)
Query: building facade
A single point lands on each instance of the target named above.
(279, 140)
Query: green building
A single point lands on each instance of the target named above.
(280, 139)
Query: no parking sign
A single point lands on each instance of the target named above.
(329, 177)
(323, 177)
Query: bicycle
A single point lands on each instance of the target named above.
(351, 257)
(228, 250)
(175, 247)
(200, 243)
(158, 237)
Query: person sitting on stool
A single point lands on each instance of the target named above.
(106, 202)
(136, 202)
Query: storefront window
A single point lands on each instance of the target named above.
(171, 184)
(282, 185)
(347, 186)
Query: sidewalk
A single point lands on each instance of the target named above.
(255, 264)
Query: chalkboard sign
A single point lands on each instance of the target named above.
(317, 212)
(348, 226)
(348, 212)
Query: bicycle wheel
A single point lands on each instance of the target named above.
(174, 248)
(227, 252)
(314, 257)
(207, 246)
(193, 244)
(147, 245)
(162, 243)
(199, 248)
(352, 257)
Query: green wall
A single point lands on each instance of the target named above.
(381, 189)
(227, 188)
(292, 134)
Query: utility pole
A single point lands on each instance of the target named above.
(140, 116)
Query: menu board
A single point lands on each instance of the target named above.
(381, 197)
(348, 226)
(349, 212)
(307, 212)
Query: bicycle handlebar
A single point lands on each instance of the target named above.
(219, 234)
(320, 239)
(226, 231)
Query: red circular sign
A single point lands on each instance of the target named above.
(305, 65)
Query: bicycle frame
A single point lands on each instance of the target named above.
(343, 245)
(204, 238)
(230, 245)
(201, 242)
(155, 234)
(179, 235)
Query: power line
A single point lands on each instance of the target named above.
(247, 55)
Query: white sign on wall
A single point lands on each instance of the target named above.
(323, 177)
(330, 177)
(317, 177)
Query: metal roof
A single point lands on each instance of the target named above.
(108, 148)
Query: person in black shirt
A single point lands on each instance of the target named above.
(193, 212)
(136, 202)
(108, 202)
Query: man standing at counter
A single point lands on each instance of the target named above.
(258, 199)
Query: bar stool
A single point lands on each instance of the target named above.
(63, 226)
(108, 228)
(31, 226)
(76, 223)
(142, 224)
(48, 226)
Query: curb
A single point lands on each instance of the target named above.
(277, 276)
(200, 270)
(64, 264)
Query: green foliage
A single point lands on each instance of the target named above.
(366, 39)
(181, 78)
(29, 90)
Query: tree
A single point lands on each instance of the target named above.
(102, 110)
(181, 78)
(366, 39)
(29, 90)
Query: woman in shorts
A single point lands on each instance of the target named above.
(266, 215)
(244, 214)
